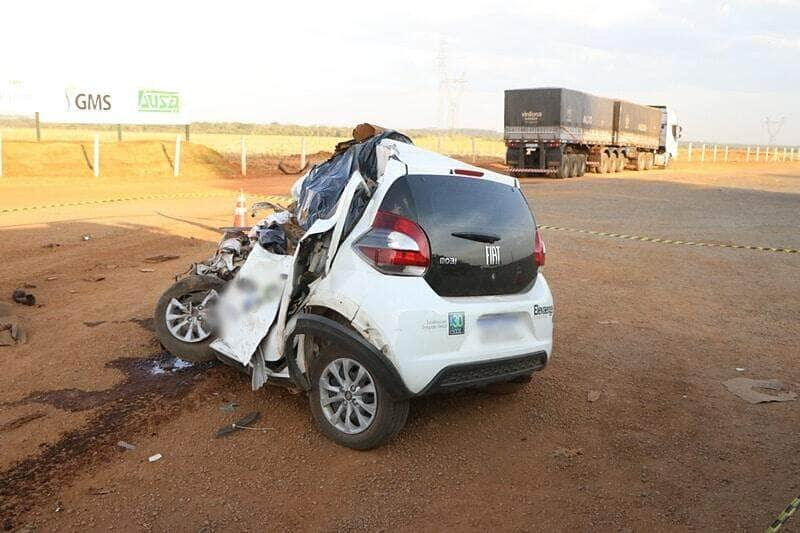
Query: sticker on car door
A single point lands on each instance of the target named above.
(455, 323)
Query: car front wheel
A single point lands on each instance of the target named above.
(350, 403)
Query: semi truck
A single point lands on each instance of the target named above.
(565, 133)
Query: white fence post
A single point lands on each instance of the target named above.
(784, 155)
(302, 152)
(243, 159)
(714, 158)
(96, 159)
(758, 153)
(1, 155)
(703, 153)
(689, 155)
(747, 160)
(474, 154)
(791, 155)
(766, 154)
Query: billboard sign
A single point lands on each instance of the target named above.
(93, 104)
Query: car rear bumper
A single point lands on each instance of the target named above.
(466, 375)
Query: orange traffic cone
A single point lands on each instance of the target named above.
(240, 212)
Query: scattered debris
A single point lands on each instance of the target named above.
(94, 278)
(739, 369)
(241, 424)
(170, 364)
(161, 258)
(11, 330)
(228, 407)
(58, 508)
(146, 270)
(87, 237)
(607, 322)
(746, 389)
(567, 453)
(126, 445)
(24, 298)
(51, 245)
(593, 395)
(154, 458)
(28, 286)
(51, 278)
(94, 324)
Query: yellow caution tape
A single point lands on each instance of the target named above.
(175, 196)
(784, 516)
(782, 249)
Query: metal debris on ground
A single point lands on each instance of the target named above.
(567, 453)
(22, 297)
(593, 395)
(746, 389)
(154, 458)
(146, 270)
(228, 407)
(87, 237)
(94, 278)
(126, 445)
(11, 331)
(243, 423)
(161, 258)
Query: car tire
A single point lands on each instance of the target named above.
(650, 161)
(383, 424)
(613, 165)
(194, 290)
(621, 162)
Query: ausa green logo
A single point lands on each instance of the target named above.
(159, 101)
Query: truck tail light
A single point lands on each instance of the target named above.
(538, 249)
(395, 245)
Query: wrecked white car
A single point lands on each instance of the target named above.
(413, 274)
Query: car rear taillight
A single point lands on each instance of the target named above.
(395, 245)
(538, 249)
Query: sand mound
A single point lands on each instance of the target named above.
(125, 160)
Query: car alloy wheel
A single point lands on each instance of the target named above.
(347, 396)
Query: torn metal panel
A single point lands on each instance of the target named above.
(248, 305)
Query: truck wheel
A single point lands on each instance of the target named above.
(640, 161)
(605, 163)
(573, 165)
(181, 318)
(613, 164)
(650, 161)
(563, 167)
(581, 165)
(349, 402)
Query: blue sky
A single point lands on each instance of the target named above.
(724, 65)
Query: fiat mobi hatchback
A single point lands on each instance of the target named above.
(410, 273)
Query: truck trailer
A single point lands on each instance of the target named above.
(563, 132)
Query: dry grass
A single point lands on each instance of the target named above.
(256, 144)
(282, 145)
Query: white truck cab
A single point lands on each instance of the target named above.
(670, 133)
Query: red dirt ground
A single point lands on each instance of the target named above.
(654, 328)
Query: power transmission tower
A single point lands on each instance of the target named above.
(451, 89)
(774, 127)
